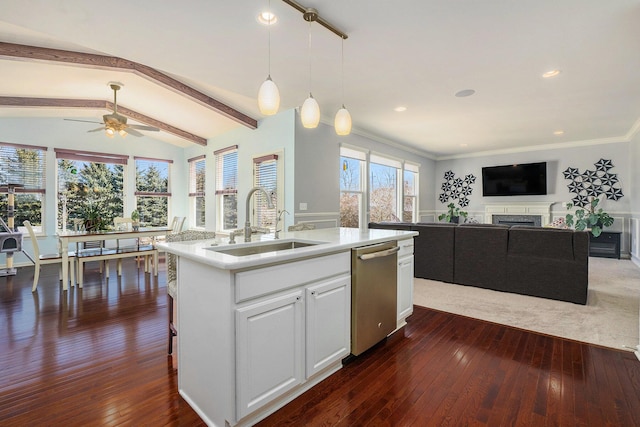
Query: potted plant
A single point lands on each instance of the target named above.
(93, 217)
(590, 218)
(135, 220)
(453, 214)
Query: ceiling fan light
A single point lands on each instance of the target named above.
(310, 113)
(122, 133)
(109, 132)
(342, 122)
(268, 97)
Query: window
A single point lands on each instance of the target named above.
(383, 193)
(410, 189)
(352, 187)
(152, 191)
(265, 173)
(196, 190)
(24, 166)
(90, 186)
(227, 187)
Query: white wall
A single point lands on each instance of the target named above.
(558, 160)
(317, 178)
(273, 134)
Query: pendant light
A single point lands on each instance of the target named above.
(269, 95)
(310, 111)
(342, 122)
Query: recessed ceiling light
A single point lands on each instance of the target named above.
(400, 109)
(267, 18)
(464, 145)
(465, 93)
(551, 73)
(558, 132)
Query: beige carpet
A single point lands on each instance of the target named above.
(610, 318)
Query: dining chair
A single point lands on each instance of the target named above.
(172, 273)
(43, 259)
(177, 223)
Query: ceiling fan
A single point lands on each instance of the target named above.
(115, 123)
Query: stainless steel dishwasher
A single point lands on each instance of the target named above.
(373, 294)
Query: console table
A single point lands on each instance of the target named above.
(606, 245)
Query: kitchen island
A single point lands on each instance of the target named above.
(259, 323)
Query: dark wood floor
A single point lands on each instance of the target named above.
(97, 356)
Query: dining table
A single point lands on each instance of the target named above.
(67, 237)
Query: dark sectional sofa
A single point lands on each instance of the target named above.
(542, 262)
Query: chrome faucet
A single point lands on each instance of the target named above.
(247, 223)
(276, 236)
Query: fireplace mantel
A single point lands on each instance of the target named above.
(543, 209)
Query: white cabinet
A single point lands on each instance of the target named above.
(405, 281)
(269, 350)
(328, 323)
(293, 325)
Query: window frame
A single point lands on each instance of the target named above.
(361, 194)
(87, 157)
(388, 162)
(221, 192)
(153, 194)
(261, 215)
(31, 182)
(197, 191)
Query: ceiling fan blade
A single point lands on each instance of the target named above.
(84, 121)
(133, 132)
(142, 127)
(96, 129)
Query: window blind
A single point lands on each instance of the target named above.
(227, 187)
(227, 171)
(266, 176)
(197, 176)
(24, 165)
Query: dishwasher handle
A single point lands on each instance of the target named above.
(380, 254)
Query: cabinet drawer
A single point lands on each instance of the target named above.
(406, 248)
(263, 281)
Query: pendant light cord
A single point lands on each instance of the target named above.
(309, 58)
(342, 69)
(269, 39)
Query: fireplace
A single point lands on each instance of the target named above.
(518, 213)
(531, 220)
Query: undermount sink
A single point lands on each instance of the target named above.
(262, 247)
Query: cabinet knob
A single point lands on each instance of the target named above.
(313, 293)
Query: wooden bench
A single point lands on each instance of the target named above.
(149, 252)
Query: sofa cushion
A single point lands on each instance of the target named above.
(541, 242)
(433, 251)
(480, 255)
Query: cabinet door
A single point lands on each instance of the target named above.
(269, 350)
(405, 289)
(328, 323)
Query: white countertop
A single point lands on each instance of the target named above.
(331, 240)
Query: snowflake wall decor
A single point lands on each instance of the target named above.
(593, 183)
(456, 188)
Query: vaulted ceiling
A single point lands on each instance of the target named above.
(211, 58)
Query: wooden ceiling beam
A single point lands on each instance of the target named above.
(34, 53)
(15, 101)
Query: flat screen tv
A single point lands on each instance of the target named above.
(525, 179)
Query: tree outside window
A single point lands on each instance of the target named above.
(23, 166)
(383, 199)
(152, 191)
(88, 190)
(350, 191)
